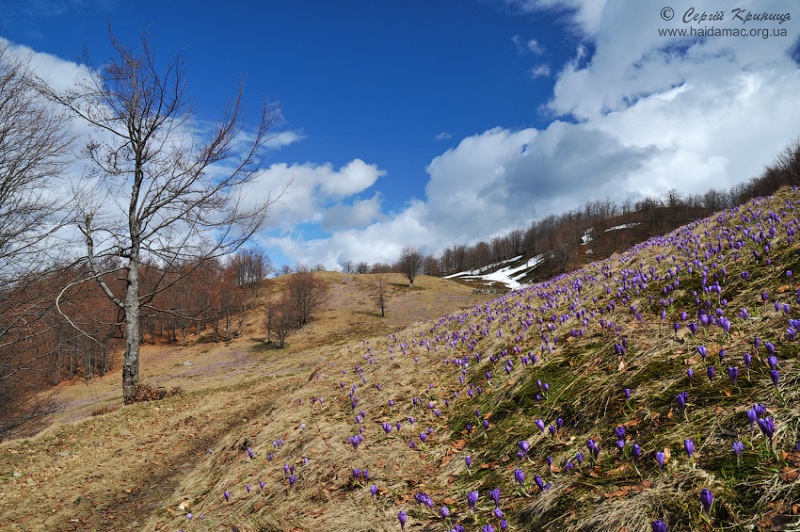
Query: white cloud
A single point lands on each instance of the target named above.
(529, 46)
(585, 14)
(312, 188)
(284, 138)
(358, 215)
(444, 135)
(541, 71)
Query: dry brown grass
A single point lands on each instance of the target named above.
(102, 466)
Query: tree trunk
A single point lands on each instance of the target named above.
(130, 365)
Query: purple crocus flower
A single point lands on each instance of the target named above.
(444, 511)
(495, 495)
(468, 461)
(733, 373)
(423, 498)
(487, 528)
(472, 499)
(660, 460)
(658, 526)
(373, 490)
(689, 446)
(524, 446)
(772, 361)
(775, 376)
(637, 452)
(706, 499)
(738, 447)
(402, 517)
(540, 424)
(250, 453)
(682, 399)
(540, 482)
(227, 495)
(767, 426)
(710, 370)
(519, 476)
(690, 374)
(619, 432)
(703, 351)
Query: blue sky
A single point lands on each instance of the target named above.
(430, 123)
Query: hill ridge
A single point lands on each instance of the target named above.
(566, 396)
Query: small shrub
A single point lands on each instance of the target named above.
(105, 409)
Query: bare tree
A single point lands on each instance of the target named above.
(306, 292)
(33, 144)
(176, 196)
(280, 318)
(251, 267)
(380, 293)
(410, 263)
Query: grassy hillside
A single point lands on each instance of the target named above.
(571, 400)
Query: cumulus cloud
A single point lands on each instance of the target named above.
(357, 215)
(444, 135)
(311, 189)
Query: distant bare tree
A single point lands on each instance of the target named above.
(410, 263)
(251, 267)
(280, 318)
(380, 293)
(430, 266)
(515, 239)
(171, 205)
(348, 267)
(307, 292)
(380, 267)
(362, 267)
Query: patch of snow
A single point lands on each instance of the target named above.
(623, 226)
(477, 272)
(587, 236)
(508, 275)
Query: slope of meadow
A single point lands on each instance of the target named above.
(657, 389)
